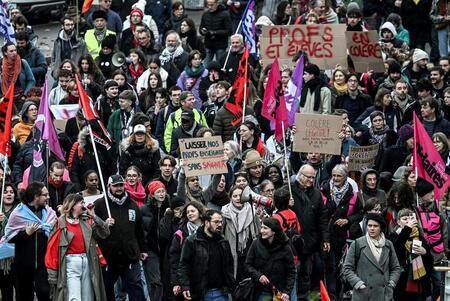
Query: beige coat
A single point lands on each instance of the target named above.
(99, 229)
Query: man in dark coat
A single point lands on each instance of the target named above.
(57, 187)
(215, 25)
(34, 57)
(313, 217)
(206, 263)
(126, 244)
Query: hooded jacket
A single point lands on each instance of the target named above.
(24, 128)
(139, 155)
(365, 193)
(400, 50)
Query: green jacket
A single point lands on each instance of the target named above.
(174, 121)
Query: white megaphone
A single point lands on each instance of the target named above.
(119, 59)
(248, 195)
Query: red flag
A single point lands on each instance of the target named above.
(86, 6)
(6, 107)
(427, 161)
(323, 292)
(239, 90)
(101, 134)
(274, 104)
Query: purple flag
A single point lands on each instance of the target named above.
(249, 28)
(44, 136)
(294, 90)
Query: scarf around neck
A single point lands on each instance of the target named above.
(337, 193)
(376, 136)
(340, 88)
(166, 56)
(241, 220)
(313, 86)
(117, 200)
(376, 246)
(136, 194)
(10, 72)
(197, 73)
(191, 227)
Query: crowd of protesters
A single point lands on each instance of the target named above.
(284, 219)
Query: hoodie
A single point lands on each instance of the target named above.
(366, 193)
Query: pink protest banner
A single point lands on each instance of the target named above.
(365, 51)
(325, 44)
(427, 161)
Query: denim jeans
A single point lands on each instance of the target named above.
(79, 284)
(215, 295)
(436, 285)
(210, 53)
(443, 41)
(131, 281)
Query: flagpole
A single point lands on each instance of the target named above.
(286, 159)
(99, 170)
(229, 48)
(4, 178)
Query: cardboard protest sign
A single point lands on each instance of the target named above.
(324, 43)
(362, 157)
(203, 156)
(317, 133)
(365, 51)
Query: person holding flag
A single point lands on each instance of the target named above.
(28, 228)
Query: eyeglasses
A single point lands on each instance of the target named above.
(309, 177)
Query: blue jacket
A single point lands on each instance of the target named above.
(161, 11)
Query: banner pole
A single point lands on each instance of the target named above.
(286, 159)
(99, 171)
(4, 178)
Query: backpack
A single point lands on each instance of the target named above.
(295, 238)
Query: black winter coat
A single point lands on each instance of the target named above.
(392, 158)
(146, 159)
(275, 261)
(30, 249)
(193, 267)
(57, 195)
(151, 219)
(180, 133)
(126, 241)
(218, 26)
(24, 159)
(354, 107)
(312, 215)
(175, 67)
(338, 234)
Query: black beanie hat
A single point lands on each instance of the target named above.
(312, 69)
(99, 14)
(378, 218)
(423, 187)
(176, 202)
(109, 41)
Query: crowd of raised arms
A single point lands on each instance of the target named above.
(120, 219)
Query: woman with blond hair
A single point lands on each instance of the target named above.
(73, 259)
(142, 151)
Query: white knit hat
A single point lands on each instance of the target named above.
(419, 54)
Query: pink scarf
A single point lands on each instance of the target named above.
(138, 195)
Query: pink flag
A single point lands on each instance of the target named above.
(427, 161)
(274, 105)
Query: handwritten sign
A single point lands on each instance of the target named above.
(203, 156)
(324, 44)
(365, 51)
(362, 157)
(317, 133)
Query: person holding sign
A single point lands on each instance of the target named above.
(316, 97)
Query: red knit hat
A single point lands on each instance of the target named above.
(137, 10)
(153, 186)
